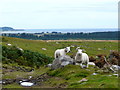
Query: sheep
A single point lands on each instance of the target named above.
(81, 58)
(61, 52)
(9, 44)
(20, 49)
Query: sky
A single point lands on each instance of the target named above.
(59, 14)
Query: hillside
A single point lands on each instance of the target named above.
(9, 29)
(70, 76)
(91, 47)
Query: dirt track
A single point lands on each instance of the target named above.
(83, 40)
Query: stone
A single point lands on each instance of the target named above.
(91, 63)
(94, 74)
(115, 75)
(83, 80)
(44, 49)
(115, 67)
(61, 62)
(49, 65)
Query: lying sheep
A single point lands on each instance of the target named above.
(9, 44)
(61, 52)
(20, 49)
(81, 58)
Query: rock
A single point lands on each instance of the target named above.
(56, 64)
(92, 59)
(83, 80)
(99, 49)
(114, 57)
(0, 81)
(26, 84)
(8, 81)
(94, 74)
(116, 75)
(115, 67)
(49, 65)
(61, 62)
(25, 80)
(91, 63)
(44, 49)
(100, 63)
(57, 43)
(64, 63)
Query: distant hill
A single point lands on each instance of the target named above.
(110, 35)
(9, 29)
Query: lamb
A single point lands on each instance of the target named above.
(61, 52)
(81, 58)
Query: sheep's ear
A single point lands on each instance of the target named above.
(77, 48)
(83, 50)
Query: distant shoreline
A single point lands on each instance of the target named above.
(13, 30)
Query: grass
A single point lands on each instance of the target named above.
(66, 77)
(20, 74)
(70, 74)
(91, 47)
(97, 81)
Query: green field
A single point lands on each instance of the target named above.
(70, 75)
(91, 47)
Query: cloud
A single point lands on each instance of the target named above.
(59, 13)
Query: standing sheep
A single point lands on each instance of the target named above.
(81, 58)
(61, 52)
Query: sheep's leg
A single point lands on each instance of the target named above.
(87, 65)
(81, 65)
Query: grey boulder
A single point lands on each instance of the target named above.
(61, 62)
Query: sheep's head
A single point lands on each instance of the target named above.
(79, 52)
(67, 49)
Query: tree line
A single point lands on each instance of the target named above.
(111, 35)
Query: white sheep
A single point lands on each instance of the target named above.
(61, 52)
(20, 49)
(81, 58)
(9, 44)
